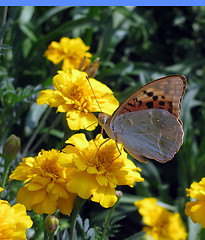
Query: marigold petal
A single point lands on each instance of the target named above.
(149, 209)
(68, 64)
(162, 224)
(106, 196)
(80, 120)
(50, 97)
(102, 180)
(83, 188)
(34, 186)
(39, 196)
(78, 140)
(196, 210)
(130, 174)
(65, 107)
(57, 189)
(46, 206)
(99, 87)
(61, 82)
(108, 103)
(20, 213)
(69, 156)
(54, 52)
(25, 197)
(66, 205)
(14, 221)
(129, 178)
(197, 190)
(22, 171)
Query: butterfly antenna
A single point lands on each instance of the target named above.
(89, 134)
(90, 126)
(94, 94)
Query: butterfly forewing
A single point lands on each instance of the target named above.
(164, 93)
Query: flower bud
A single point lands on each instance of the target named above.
(148, 237)
(11, 148)
(51, 223)
(118, 194)
(92, 68)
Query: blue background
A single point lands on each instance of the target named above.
(101, 3)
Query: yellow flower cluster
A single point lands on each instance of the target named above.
(74, 96)
(161, 223)
(88, 169)
(52, 179)
(73, 53)
(96, 168)
(196, 209)
(45, 181)
(13, 221)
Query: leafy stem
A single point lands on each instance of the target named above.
(107, 221)
(79, 202)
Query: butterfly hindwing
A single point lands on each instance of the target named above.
(152, 133)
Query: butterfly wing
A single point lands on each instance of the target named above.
(163, 93)
(152, 133)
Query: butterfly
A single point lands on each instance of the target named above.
(147, 123)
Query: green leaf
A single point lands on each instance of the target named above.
(136, 236)
(32, 120)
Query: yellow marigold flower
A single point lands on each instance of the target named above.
(196, 209)
(45, 184)
(13, 221)
(96, 170)
(74, 96)
(71, 51)
(161, 223)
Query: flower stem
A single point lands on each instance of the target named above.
(4, 177)
(46, 115)
(79, 202)
(55, 122)
(107, 221)
(48, 236)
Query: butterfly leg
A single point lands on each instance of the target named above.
(101, 146)
(120, 152)
(98, 150)
(104, 143)
(101, 133)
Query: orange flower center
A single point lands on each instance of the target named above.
(52, 168)
(79, 98)
(104, 158)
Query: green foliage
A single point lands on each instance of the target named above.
(136, 45)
